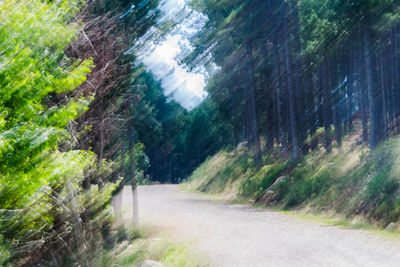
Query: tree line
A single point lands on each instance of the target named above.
(291, 67)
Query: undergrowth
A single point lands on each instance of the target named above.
(352, 181)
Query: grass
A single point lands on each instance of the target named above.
(134, 246)
(220, 173)
(359, 224)
(349, 183)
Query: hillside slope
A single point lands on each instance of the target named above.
(352, 183)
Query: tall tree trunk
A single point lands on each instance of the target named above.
(101, 142)
(382, 76)
(270, 119)
(298, 85)
(396, 94)
(349, 92)
(117, 199)
(255, 137)
(393, 91)
(312, 117)
(290, 87)
(278, 95)
(132, 167)
(370, 89)
(326, 105)
(361, 90)
(334, 104)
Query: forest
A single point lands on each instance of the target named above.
(294, 88)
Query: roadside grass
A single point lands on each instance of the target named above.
(359, 223)
(131, 247)
(349, 183)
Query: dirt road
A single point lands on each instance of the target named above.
(240, 235)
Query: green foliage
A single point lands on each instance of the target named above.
(174, 140)
(305, 188)
(256, 184)
(41, 187)
(143, 179)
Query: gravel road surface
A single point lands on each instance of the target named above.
(241, 235)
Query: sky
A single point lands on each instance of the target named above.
(161, 53)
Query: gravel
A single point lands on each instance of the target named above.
(241, 235)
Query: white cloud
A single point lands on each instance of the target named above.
(160, 53)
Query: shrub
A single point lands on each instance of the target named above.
(51, 197)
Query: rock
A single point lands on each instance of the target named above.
(150, 263)
(270, 197)
(278, 181)
(273, 186)
(271, 193)
(242, 145)
(391, 227)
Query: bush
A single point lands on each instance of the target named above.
(52, 200)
